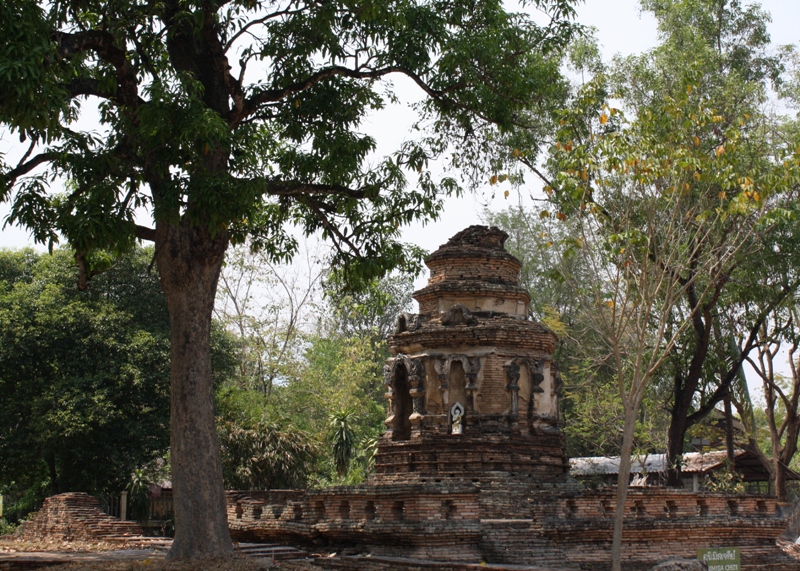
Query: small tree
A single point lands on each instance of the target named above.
(654, 216)
(265, 455)
(342, 438)
(781, 395)
(267, 306)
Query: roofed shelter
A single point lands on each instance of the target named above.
(651, 469)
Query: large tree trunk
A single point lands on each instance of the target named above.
(189, 262)
(783, 457)
(683, 396)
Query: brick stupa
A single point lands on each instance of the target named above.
(472, 388)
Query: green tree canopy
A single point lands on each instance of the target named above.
(227, 119)
(82, 374)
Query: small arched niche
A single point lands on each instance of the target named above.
(433, 393)
(403, 404)
(546, 403)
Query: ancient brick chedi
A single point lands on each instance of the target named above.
(471, 385)
(472, 466)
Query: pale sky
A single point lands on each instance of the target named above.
(621, 28)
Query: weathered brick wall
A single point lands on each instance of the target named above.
(481, 266)
(510, 522)
(661, 523)
(491, 332)
(76, 516)
(492, 452)
(476, 297)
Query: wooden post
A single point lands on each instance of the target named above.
(123, 506)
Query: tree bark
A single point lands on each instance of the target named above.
(676, 436)
(786, 452)
(189, 262)
(623, 481)
(729, 429)
(779, 480)
(685, 387)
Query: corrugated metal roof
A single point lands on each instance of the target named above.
(693, 462)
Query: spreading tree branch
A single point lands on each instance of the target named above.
(105, 46)
(303, 189)
(145, 233)
(11, 176)
(252, 104)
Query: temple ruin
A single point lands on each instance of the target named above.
(472, 388)
(472, 465)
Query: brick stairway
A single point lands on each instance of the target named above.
(272, 551)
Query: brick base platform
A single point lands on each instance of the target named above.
(554, 526)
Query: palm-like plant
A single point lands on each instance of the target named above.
(342, 437)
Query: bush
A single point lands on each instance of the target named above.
(7, 528)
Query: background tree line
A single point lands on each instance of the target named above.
(84, 374)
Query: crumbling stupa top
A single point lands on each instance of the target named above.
(474, 269)
(474, 242)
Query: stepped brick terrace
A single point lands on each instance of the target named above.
(76, 516)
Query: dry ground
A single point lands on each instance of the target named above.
(231, 563)
(11, 544)
(235, 562)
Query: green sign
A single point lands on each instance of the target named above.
(721, 558)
